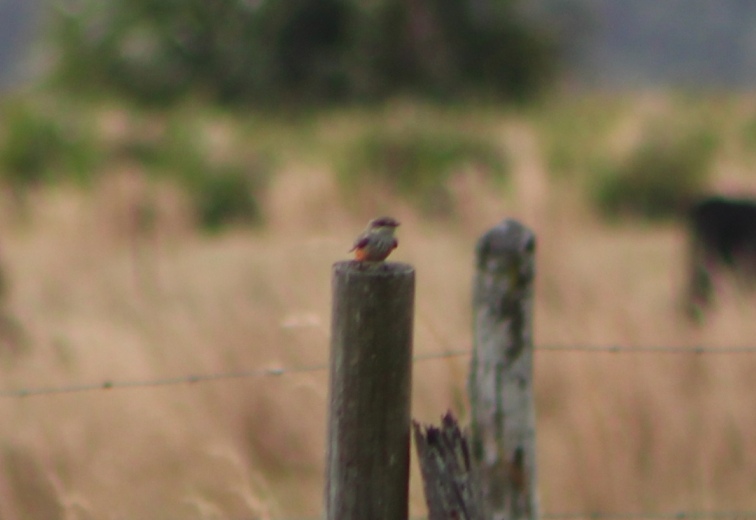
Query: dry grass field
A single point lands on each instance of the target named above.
(617, 432)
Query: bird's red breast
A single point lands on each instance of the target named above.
(360, 254)
(373, 251)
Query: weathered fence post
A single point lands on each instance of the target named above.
(452, 489)
(501, 373)
(367, 461)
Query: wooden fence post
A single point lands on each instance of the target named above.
(501, 373)
(452, 489)
(367, 461)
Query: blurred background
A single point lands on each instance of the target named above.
(177, 178)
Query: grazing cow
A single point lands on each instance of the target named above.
(723, 237)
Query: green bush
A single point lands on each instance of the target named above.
(222, 192)
(748, 135)
(40, 145)
(571, 130)
(659, 179)
(417, 163)
(227, 196)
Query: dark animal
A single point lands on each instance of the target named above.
(722, 237)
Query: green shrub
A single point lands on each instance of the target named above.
(660, 177)
(571, 130)
(226, 196)
(42, 145)
(223, 192)
(748, 135)
(417, 163)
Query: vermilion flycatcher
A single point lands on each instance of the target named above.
(377, 241)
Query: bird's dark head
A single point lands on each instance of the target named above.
(383, 222)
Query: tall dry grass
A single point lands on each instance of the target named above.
(100, 301)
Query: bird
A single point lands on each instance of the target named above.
(377, 241)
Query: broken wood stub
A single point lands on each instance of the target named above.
(452, 487)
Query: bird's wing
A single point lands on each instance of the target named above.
(361, 242)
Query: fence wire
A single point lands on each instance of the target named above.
(262, 372)
(265, 372)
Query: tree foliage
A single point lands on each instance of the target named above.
(300, 51)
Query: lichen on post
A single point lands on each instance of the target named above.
(501, 372)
